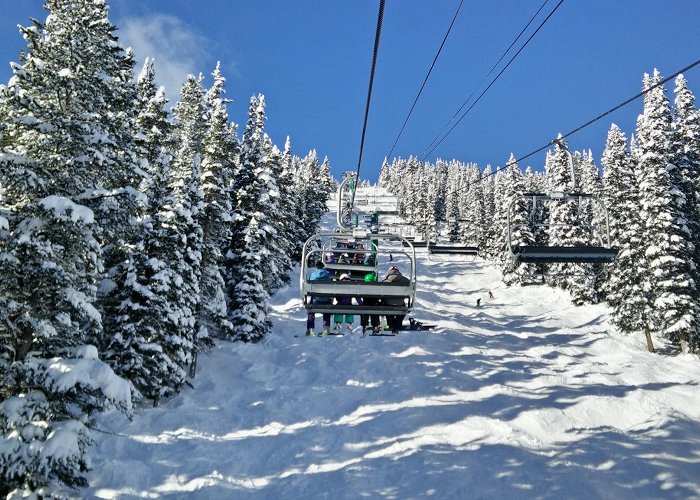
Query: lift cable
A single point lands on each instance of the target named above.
(494, 80)
(380, 18)
(425, 80)
(587, 124)
(489, 73)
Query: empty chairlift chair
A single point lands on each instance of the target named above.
(466, 252)
(597, 250)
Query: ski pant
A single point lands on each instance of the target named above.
(394, 322)
(311, 321)
(338, 318)
(365, 318)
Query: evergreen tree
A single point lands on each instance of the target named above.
(487, 233)
(249, 298)
(501, 196)
(288, 217)
(670, 280)
(65, 129)
(564, 226)
(687, 152)
(624, 286)
(520, 225)
(452, 206)
(472, 208)
(189, 114)
(140, 346)
(216, 215)
(587, 289)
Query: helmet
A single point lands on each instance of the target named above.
(344, 277)
(369, 277)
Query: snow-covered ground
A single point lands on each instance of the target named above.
(526, 396)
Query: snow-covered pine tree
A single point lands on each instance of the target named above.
(588, 289)
(280, 264)
(452, 203)
(565, 228)
(672, 308)
(384, 179)
(440, 183)
(313, 192)
(406, 185)
(521, 229)
(471, 201)
(501, 196)
(421, 209)
(189, 133)
(140, 347)
(487, 233)
(435, 205)
(687, 151)
(62, 116)
(289, 206)
(217, 167)
(327, 183)
(624, 287)
(249, 254)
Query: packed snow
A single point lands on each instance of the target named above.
(526, 396)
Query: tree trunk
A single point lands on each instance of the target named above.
(650, 344)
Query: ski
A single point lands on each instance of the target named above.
(321, 336)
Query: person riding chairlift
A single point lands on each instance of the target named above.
(395, 321)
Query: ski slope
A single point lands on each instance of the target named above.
(526, 396)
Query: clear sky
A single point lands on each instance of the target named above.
(311, 59)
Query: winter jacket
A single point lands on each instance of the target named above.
(320, 275)
(346, 301)
(394, 276)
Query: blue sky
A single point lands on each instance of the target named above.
(311, 60)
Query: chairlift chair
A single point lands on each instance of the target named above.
(452, 250)
(469, 252)
(598, 252)
(335, 288)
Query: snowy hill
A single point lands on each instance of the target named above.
(526, 396)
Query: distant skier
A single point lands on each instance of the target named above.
(491, 295)
(478, 302)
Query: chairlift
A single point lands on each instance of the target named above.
(452, 250)
(347, 217)
(354, 253)
(354, 288)
(470, 252)
(598, 252)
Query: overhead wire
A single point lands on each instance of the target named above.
(425, 80)
(515, 40)
(494, 80)
(584, 125)
(377, 36)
